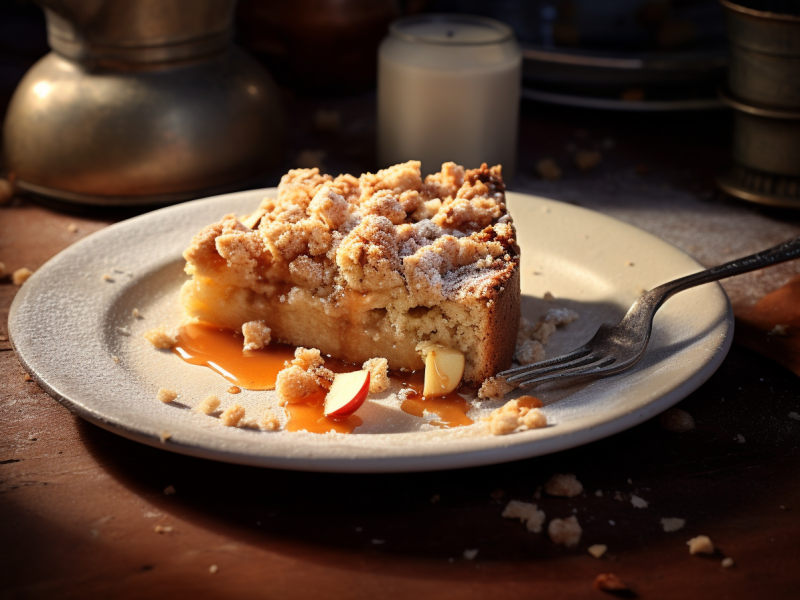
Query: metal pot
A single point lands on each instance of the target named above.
(764, 66)
(141, 102)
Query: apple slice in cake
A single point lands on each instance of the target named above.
(381, 265)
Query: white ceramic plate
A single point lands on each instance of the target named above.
(67, 323)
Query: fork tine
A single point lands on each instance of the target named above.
(558, 360)
(564, 362)
(593, 369)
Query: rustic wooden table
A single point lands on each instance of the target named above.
(79, 506)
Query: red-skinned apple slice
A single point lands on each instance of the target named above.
(347, 393)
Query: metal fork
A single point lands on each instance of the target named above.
(616, 348)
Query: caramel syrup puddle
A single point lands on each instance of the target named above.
(307, 413)
(450, 408)
(221, 350)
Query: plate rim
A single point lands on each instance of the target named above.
(382, 464)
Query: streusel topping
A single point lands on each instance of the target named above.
(385, 232)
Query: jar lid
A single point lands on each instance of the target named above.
(451, 30)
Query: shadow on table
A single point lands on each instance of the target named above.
(705, 476)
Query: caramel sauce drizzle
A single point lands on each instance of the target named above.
(221, 350)
(450, 408)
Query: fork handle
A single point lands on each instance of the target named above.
(781, 253)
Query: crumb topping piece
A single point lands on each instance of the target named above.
(378, 374)
(565, 485)
(208, 405)
(161, 338)
(512, 417)
(20, 276)
(700, 545)
(305, 375)
(597, 550)
(166, 395)
(232, 415)
(527, 513)
(256, 335)
(565, 531)
(377, 233)
(495, 388)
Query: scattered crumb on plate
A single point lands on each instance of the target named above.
(208, 405)
(231, 416)
(166, 395)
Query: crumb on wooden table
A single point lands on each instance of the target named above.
(163, 529)
(161, 338)
(213, 569)
(676, 420)
(638, 502)
(586, 160)
(727, 562)
(256, 335)
(565, 531)
(608, 582)
(27, 377)
(470, 554)
(164, 436)
(21, 275)
(565, 485)
(700, 545)
(779, 330)
(166, 395)
(378, 374)
(72, 228)
(548, 297)
(208, 405)
(169, 490)
(547, 168)
(597, 550)
(528, 513)
(231, 416)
